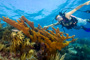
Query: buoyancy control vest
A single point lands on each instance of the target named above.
(69, 24)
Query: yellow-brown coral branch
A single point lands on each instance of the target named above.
(52, 39)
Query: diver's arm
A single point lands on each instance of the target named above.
(74, 10)
(52, 24)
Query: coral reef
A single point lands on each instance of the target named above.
(21, 45)
(58, 56)
(0, 25)
(83, 41)
(18, 48)
(6, 36)
(77, 50)
(0, 29)
(46, 42)
(5, 31)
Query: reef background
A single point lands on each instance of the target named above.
(43, 12)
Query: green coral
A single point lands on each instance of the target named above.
(86, 49)
(6, 35)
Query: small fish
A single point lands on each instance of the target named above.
(15, 30)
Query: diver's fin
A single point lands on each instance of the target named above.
(88, 20)
(87, 11)
(86, 29)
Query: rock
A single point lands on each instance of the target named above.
(72, 51)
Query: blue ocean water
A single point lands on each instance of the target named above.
(44, 11)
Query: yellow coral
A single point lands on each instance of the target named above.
(27, 42)
(57, 56)
(13, 34)
(2, 46)
(20, 35)
(52, 39)
(23, 56)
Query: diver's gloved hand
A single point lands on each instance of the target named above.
(87, 3)
(88, 20)
(45, 26)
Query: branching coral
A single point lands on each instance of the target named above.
(0, 25)
(53, 40)
(57, 56)
(0, 30)
(6, 35)
(21, 45)
(18, 48)
(1, 46)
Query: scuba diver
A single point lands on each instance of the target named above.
(69, 21)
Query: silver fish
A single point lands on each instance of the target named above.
(15, 30)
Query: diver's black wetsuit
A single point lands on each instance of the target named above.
(67, 21)
(73, 20)
(86, 29)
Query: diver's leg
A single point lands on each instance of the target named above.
(86, 29)
(88, 20)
